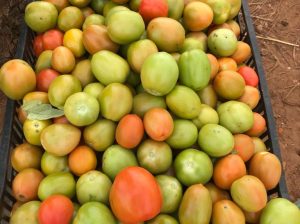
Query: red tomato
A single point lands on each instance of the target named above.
(130, 131)
(150, 9)
(44, 79)
(38, 47)
(52, 39)
(249, 75)
(135, 195)
(56, 209)
(61, 120)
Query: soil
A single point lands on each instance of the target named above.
(278, 19)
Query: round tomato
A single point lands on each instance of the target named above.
(131, 192)
(32, 130)
(44, 79)
(38, 47)
(56, 209)
(150, 9)
(249, 75)
(52, 39)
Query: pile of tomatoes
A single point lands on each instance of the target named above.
(140, 111)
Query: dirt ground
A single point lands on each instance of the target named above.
(278, 19)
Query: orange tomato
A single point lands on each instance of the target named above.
(214, 65)
(259, 126)
(252, 217)
(249, 75)
(56, 209)
(130, 131)
(226, 211)
(25, 185)
(216, 193)
(266, 167)
(227, 170)
(242, 53)
(251, 96)
(234, 27)
(82, 159)
(244, 146)
(227, 64)
(61, 120)
(158, 124)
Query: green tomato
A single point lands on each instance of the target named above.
(163, 219)
(171, 191)
(93, 186)
(94, 89)
(43, 61)
(154, 156)
(98, 5)
(41, 16)
(32, 130)
(94, 213)
(93, 19)
(111, 162)
(193, 167)
(184, 135)
(69, 18)
(207, 115)
(52, 164)
(26, 213)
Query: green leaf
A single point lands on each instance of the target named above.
(36, 110)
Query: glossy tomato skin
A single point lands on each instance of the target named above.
(44, 79)
(150, 9)
(135, 196)
(56, 209)
(38, 47)
(52, 39)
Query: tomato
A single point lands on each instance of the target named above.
(154, 156)
(94, 213)
(150, 9)
(52, 164)
(152, 80)
(44, 79)
(57, 183)
(193, 167)
(259, 126)
(130, 131)
(251, 96)
(63, 60)
(184, 102)
(172, 193)
(81, 109)
(158, 124)
(207, 115)
(197, 16)
(17, 78)
(60, 139)
(115, 101)
(36, 96)
(61, 88)
(175, 9)
(32, 130)
(80, 3)
(132, 24)
(215, 140)
(70, 18)
(227, 63)
(130, 194)
(227, 170)
(208, 96)
(111, 163)
(61, 120)
(267, 167)
(93, 19)
(163, 219)
(242, 53)
(73, 41)
(82, 159)
(249, 75)
(43, 61)
(100, 142)
(25, 156)
(216, 193)
(93, 186)
(24, 190)
(243, 146)
(41, 16)
(38, 47)
(280, 210)
(249, 193)
(184, 135)
(226, 211)
(94, 89)
(26, 213)
(52, 39)
(116, 71)
(196, 205)
(168, 34)
(56, 209)
(214, 65)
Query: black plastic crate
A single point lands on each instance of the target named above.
(12, 128)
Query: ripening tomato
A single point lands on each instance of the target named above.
(44, 79)
(38, 47)
(52, 39)
(249, 75)
(131, 193)
(56, 209)
(150, 9)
